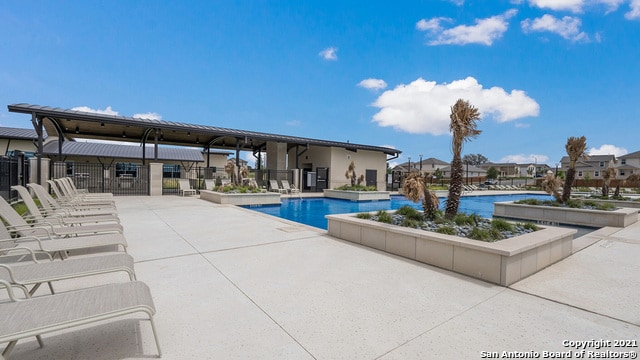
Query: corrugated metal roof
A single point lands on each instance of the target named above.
(170, 127)
(19, 133)
(122, 151)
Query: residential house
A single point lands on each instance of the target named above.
(590, 167)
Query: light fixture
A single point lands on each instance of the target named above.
(197, 140)
(161, 137)
(77, 129)
(124, 134)
(188, 133)
(102, 124)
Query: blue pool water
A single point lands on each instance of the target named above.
(311, 211)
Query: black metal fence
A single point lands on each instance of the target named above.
(118, 179)
(13, 171)
(198, 177)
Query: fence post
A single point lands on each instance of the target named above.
(155, 179)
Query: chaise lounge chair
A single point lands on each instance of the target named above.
(61, 218)
(63, 196)
(49, 204)
(30, 271)
(274, 187)
(185, 187)
(29, 317)
(291, 189)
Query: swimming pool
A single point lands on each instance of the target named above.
(311, 211)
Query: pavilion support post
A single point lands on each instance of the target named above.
(238, 159)
(38, 126)
(155, 145)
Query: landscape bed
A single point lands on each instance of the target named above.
(503, 262)
(621, 217)
(266, 198)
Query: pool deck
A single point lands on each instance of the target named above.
(231, 283)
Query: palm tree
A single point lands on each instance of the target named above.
(230, 169)
(607, 175)
(464, 128)
(575, 149)
(351, 173)
(415, 188)
(551, 184)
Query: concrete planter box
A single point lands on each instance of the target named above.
(240, 199)
(620, 204)
(356, 195)
(558, 215)
(504, 262)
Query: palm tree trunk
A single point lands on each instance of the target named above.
(428, 205)
(568, 181)
(455, 187)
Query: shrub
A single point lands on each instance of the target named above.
(531, 226)
(489, 235)
(364, 216)
(501, 225)
(412, 223)
(356, 188)
(384, 217)
(410, 213)
(528, 202)
(449, 230)
(574, 204)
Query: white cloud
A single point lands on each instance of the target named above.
(525, 159)
(424, 106)
(149, 115)
(568, 27)
(373, 84)
(294, 123)
(484, 32)
(634, 13)
(329, 53)
(607, 149)
(522, 125)
(576, 6)
(107, 111)
(457, 2)
(571, 5)
(431, 24)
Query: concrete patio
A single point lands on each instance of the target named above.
(230, 283)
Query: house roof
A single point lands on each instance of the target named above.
(122, 151)
(635, 154)
(591, 158)
(78, 124)
(18, 133)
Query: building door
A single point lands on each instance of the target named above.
(371, 177)
(322, 178)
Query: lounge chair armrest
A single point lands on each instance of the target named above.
(9, 287)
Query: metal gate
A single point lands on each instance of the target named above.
(14, 170)
(118, 178)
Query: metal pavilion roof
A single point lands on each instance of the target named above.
(71, 124)
(74, 148)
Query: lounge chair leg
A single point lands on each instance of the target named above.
(7, 350)
(34, 288)
(51, 287)
(40, 342)
(155, 335)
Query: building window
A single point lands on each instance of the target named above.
(623, 161)
(621, 172)
(580, 173)
(596, 173)
(126, 170)
(601, 163)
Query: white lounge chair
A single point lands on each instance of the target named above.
(291, 189)
(30, 271)
(16, 222)
(274, 187)
(84, 192)
(209, 184)
(59, 217)
(49, 204)
(185, 187)
(29, 317)
(62, 195)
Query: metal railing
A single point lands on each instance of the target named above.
(118, 179)
(13, 171)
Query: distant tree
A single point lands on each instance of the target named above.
(575, 149)
(351, 173)
(492, 173)
(437, 174)
(633, 181)
(464, 128)
(474, 159)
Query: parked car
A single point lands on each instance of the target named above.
(491, 182)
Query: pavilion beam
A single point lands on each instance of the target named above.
(38, 126)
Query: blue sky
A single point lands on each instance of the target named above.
(384, 73)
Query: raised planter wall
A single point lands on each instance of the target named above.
(241, 199)
(504, 262)
(622, 217)
(356, 195)
(619, 203)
